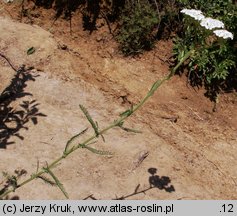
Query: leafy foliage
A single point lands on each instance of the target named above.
(137, 27)
(90, 10)
(169, 18)
(224, 10)
(56, 180)
(214, 61)
(72, 139)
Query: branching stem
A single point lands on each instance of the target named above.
(116, 123)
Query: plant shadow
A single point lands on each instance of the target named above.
(13, 119)
(212, 90)
(11, 181)
(155, 182)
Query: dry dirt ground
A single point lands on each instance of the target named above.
(194, 157)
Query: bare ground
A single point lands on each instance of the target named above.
(191, 158)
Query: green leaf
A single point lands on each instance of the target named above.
(155, 86)
(125, 113)
(130, 130)
(72, 139)
(57, 182)
(96, 151)
(30, 51)
(47, 180)
(89, 118)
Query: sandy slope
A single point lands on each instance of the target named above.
(194, 158)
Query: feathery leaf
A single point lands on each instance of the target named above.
(100, 152)
(47, 180)
(73, 138)
(96, 151)
(130, 130)
(89, 118)
(57, 182)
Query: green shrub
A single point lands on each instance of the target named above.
(214, 61)
(170, 21)
(138, 21)
(224, 10)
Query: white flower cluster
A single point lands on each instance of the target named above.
(196, 14)
(209, 23)
(224, 34)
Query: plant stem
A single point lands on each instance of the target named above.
(116, 123)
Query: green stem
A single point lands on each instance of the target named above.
(116, 123)
(186, 56)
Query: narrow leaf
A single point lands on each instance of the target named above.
(47, 180)
(96, 151)
(130, 130)
(57, 182)
(103, 138)
(73, 138)
(126, 113)
(155, 86)
(91, 143)
(89, 118)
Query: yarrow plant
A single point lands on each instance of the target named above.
(206, 43)
(224, 34)
(207, 22)
(11, 183)
(210, 23)
(196, 14)
(138, 22)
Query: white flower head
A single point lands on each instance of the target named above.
(210, 23)
(224, 34)
(196, 14)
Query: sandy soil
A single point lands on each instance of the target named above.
(191, 158)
